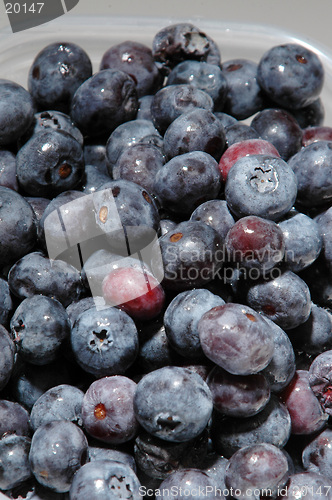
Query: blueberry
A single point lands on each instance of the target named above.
(187, 482)
(215, 466)
(144, 108)
(198, 130)
(103, 102)
(108, 410)
(137, 61)
(104, 342)
(238, 395)
(316, 455)
(126, 135)
(181, 320)
(8, 176)
(192, 255)
(285, 299)
(310, 116)
(236, 338)
(61, 402)
(174, 100)
(14, 419)
(314, 335)
(315, 134)
(307, 415)
(17, 226)
(93, 179)
(303, 242)
(320, 379)
(56, 73)
(16, 112)
(204, 76)
(271, 425)
(6, 303)
(173, 403)
(105, 480)
(39, 326)
(312, 166)
(14, 461)
(58, 450)
(307, 482)
(214, 213)
(178, 42)
(159, 458)
(187, 180)
(99, 451)
(261, 185)
(291, 75)
(38, 205)
(226, 119)
(139, 163)
(324, 221)
(257, 468)
(95, 154)
(239, 132)
(36, 274)
(49, 163)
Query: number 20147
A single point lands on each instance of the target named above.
(24, 8)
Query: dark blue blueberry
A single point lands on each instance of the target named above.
(317, 456)
(281, 129)
(244, 96)
(320, 378)
(312, 166)
(280, 371)
(39, 326)
(95, 154)
(215, 466)
(186, 181)
(6, 303)
(291, 75)
(236, 338)
(104, 342)
(105, 480)
(139, 163)
(255, 469)
(144, 108)
(271, 425)
(16, 111)
(76, 308)
(36, 274)
(62, 402)
(29, 382)
(38, 205)
(159, 458)
(239, 132)
(303, 242)
(307, 482)
(173, 403)
(100, 451)
(8, 176)
(166, 225)
(49, 163)
(155, 350)
(198, 130)
(314, 335)
(127, 215)
(191, 254)
(174, 100)
(137, 61)
(238, 395)
(56, 73)
(126, 135)
(310, 116)
(204, 76)
(14, 461)
(58, 450)
(261, 185)
(226, 119)
(17, 226)
(93, 179)
(178, 42)
(285, 299)
(54, 120)
(215, 213)
(187, 482)
(103, 102)
(181, 320)
(14, 419)
(324, 221)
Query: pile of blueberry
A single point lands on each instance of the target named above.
(166, 275)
